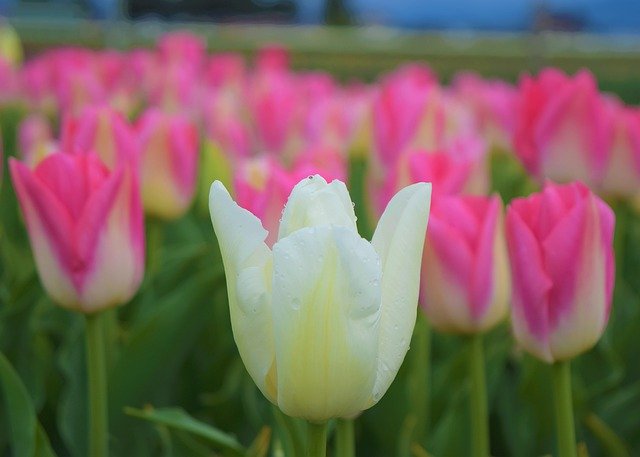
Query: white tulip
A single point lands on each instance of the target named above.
(323, 321)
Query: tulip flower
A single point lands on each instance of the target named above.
(272, 57)
(492, 102)
(560, 246)
(182, 48)
(168, 163)
(465, 285)
(322, 320)
(465, 274)
(85, 225)
(225, 69)
(101, 130)
(458, 169)
(85, 228)
(620, 176)
(562, 263)
(262, 185)
(562, 130)
(398, 110)
(35, 139)
(275, 105)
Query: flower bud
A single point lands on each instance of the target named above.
(561, 250)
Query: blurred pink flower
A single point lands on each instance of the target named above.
(465, 283)
(562, 263)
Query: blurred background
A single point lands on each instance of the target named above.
(598, 16)
(359, 39)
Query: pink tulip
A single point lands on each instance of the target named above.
(326, 122)
(492, 102)
(168, 162)
(275, 105)
(560, 247)
(182, 48)
(273, 58)
(36, 84)
(77, 89)
(225, 69)
(176, 89)
(35, 139)
(101, 130)
(562, 130)
(262, 186)
(459, 169)
(86, 229)
(326, 161)
(465, 283)
(620, 176)
(398, 110)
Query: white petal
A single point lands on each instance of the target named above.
(326, 305)
(399, 241)
(313, 202)
(247, 263)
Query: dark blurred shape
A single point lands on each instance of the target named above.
(593, 16)
(213, 10)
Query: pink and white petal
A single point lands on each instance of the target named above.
(50, 229)
(579, 330)
(531, 286)
(442, 296)
(481, 282)
(114, 267)
(161, 194)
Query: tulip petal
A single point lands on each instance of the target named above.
(399, 241)
(577, 261)
(531, 286)
(247, 263)
(49, 225)
(326, 309)
(313, 202)
(110, 240)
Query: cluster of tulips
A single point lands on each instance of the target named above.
(323, 318)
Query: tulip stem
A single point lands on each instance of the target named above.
(316, 439)
(345, 439)
(564, 409)
(479, 409)
(97, 386)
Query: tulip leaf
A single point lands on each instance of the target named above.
(27, 438)
(177, 418)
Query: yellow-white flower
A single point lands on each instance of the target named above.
(323, 321)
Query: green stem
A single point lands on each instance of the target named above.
(97, 387)
(421, 371)
(316, 439)
(479, 409)
(564, 409)
(345, 438)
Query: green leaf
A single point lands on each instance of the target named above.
(26, 436)
(178, 419)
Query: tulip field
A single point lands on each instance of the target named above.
(218, 254)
